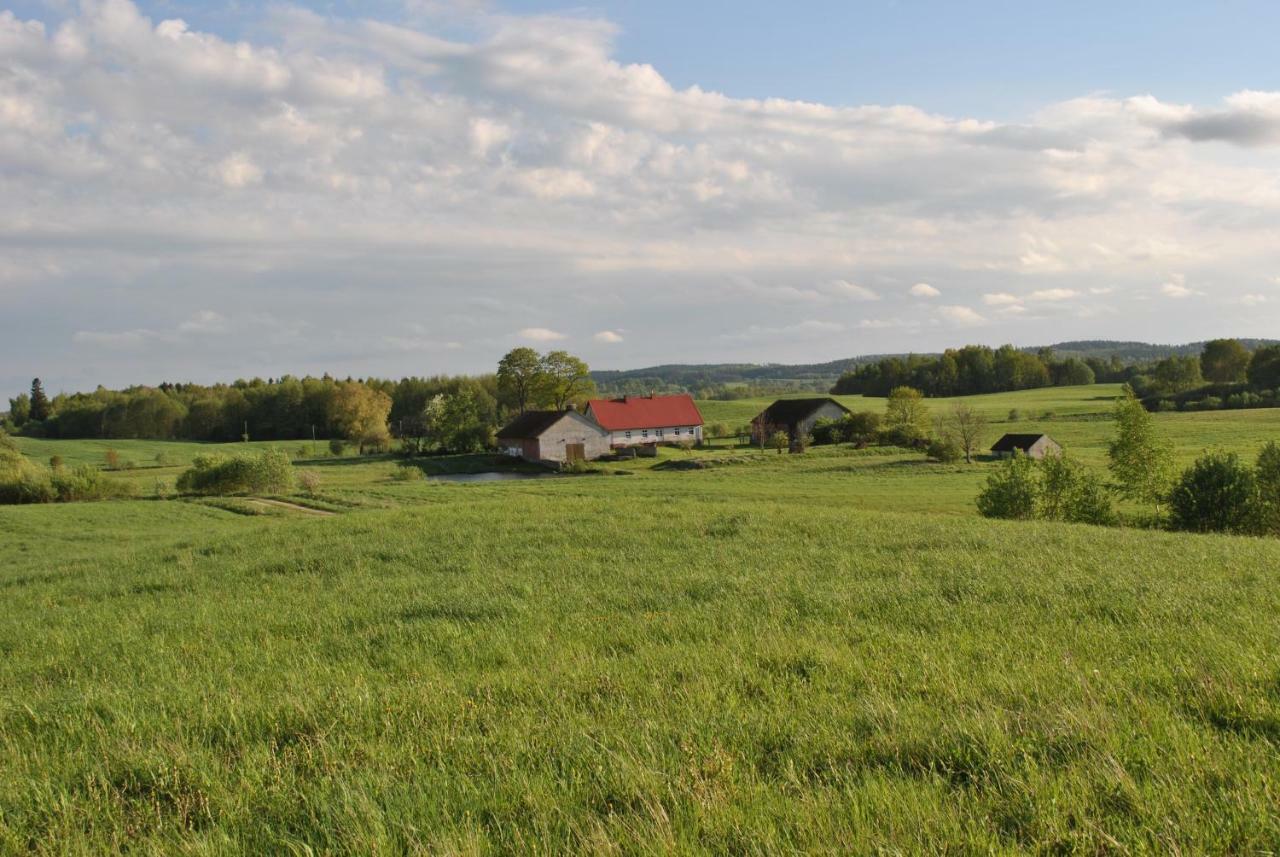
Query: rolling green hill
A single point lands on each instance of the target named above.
(774, 653)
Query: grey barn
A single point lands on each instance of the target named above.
(553, 437)
(1030, 445)
(796, 417)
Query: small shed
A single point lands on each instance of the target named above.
(1030, 445)
(553, 437)
(796, 417)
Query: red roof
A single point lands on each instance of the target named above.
(642, 412)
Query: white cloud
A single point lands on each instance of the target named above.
(1254, 299)
(345, 174)
(961, 316)
(764, 333)
(608, 337)
(237, 171)
(122, 339)
(1053, 295)
(541, 334)
(844, 288)
(1176, 287)
(205, 321)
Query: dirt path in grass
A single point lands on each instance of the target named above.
(294, 507)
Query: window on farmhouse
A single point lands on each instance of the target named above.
(628, 435)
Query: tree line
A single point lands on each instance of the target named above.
(976, 369)
(1226, 374)
(454, 413)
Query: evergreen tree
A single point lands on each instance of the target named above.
(40, 410)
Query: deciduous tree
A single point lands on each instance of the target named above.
(565, 379)
(520, 376)
(359, 413)
(906, 416)
(1264, 368)
(965, 426)
(1140, 460)
(1224, 361)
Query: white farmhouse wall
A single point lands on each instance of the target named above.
(666, 434)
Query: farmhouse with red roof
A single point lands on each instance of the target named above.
(634, 420)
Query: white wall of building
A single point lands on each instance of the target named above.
(667, 434)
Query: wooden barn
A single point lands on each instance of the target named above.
(553, 437)
(1030, 445)
(796, 417)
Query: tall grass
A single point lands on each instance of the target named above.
(560, 672)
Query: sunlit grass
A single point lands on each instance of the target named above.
(775, 653)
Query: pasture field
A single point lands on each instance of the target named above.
(827, 652)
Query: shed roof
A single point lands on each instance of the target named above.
(641, 412)
(1023, 442)
(787, 412)
(531, 423)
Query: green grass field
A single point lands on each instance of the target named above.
(828, 652)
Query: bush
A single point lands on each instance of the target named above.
(309, 481)
(267, 473)
(162, 459)
(828, 431)
(1216, 494)
(905, 437)
(1071, 492)
(55, 462)
(1011, 491)
(945, 450)
(24, 481)
(407, 473)
(862, 427)
(1267, 473)
(88, 483)
(1014, 415)
(779, 440)
(337, 446)
(112, 459)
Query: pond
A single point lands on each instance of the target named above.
(491, 476)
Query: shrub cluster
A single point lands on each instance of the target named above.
(267, 473)
(862, 428)
(1056, 488)
(25, 481)
(1220, 493)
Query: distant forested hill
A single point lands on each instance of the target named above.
(719, 379)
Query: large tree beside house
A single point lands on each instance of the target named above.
(520, 373)
(553, 380)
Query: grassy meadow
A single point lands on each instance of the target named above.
(826, 652)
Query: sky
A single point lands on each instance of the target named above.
(210, 190)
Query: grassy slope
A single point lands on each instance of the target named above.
(591, 672)
(751, 657)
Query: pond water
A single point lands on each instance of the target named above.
(492, 476)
